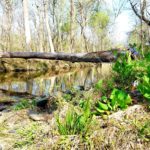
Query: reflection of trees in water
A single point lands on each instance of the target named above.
(29, 86)
(48, 85)
(53, 79)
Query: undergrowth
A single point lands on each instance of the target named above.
(76, 122)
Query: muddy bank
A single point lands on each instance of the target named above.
(16, 65)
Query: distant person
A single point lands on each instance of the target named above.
(132, 49)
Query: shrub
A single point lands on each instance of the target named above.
(144, 87)
(124, 69)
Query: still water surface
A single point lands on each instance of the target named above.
(50, 83)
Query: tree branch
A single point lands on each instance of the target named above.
(142, 16)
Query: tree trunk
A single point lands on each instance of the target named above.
(27, 24)
(7, 21)
(40, 29)
(72, 14)
(101, 56)
(48, 29)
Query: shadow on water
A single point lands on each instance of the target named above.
(51, 82)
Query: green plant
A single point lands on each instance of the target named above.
(124, 69)
(23, 104)
(99, 85)
(110, 84)
(103, 105)
(144, 87)
(74, 122)
(119, 98)
(67, 97)
(144, 131)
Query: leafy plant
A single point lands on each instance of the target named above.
(119, 99)
(124, 69)
(75, 123)
(103, 105)
(144, 87)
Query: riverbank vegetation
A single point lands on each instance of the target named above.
(106, 116)
(39, 110)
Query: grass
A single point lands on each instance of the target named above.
(76, 122)
(3, 128)
(143, 129)
(23, 104)
(26, 135)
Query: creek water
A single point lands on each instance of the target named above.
(51, 82)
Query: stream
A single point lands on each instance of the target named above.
(51, 82)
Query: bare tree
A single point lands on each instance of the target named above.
(27, 24)
(46, 4)
(82, 19)
(72, 19)
(7, 6)
(141, 11)
(39, 15)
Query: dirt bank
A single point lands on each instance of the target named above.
(13, 64)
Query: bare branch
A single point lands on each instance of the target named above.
(141, 16)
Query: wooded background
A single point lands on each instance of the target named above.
(68, 25)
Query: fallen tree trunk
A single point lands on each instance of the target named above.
(96, 57)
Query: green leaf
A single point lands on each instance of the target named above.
(144, 87)
(102, 106)
(100, 110)
(98, 85)
(120, 99)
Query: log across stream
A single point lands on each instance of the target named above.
(96, 57)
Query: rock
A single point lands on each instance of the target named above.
(68, 92)
(5, 104)
(12, 131)
(2, 107)
(36, 116)
(79, 88)
(130, 110)
(6, 100)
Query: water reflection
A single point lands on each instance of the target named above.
(50, 83)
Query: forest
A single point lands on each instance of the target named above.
(74, 74)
